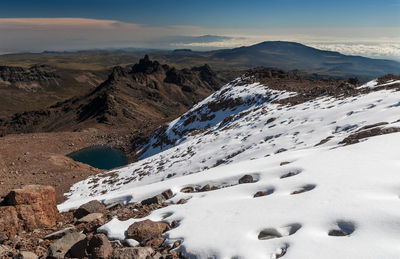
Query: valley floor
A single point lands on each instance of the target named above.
(41, 158)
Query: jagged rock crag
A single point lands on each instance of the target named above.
(141, 94)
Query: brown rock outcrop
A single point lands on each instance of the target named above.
(32, 207)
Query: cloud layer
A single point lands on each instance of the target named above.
(58, 34)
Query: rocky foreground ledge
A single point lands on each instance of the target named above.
(32, 227)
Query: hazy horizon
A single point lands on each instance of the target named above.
(366, 28)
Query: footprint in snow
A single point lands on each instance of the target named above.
(266, 192)
(222, 183)
(271, 233)
(291, 173)
(343, 228)
(305, 188)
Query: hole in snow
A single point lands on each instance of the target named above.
(292, 228)
(248, 179)
(264, 193)
(284, 163)
(344, 228)
(270, 233)
(291, 173)
(222, 183)
(305, 188)
(166, 215)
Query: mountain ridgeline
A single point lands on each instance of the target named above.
(291, 55)
(140, 94)
(278, 54)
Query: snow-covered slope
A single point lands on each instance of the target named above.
(313, 182)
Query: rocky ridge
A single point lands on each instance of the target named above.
(142, 94)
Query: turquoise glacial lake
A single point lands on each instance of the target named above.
(101, 157)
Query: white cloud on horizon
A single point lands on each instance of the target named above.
(58, 34)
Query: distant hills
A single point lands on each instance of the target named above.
(291, 55)
(141, 94)
(278, 54)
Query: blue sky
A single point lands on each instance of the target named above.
(369, 28)
(218, 14)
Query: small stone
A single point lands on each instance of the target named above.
(259, 194)
(3, 238)
(131, 242)
(337, 233)
(5, 251)
(246, 179)
(205, 188)
(114, 205)
(132, 253)
(284, 163)
(158, 256)
(155, 242)
(281, 150)
(176, 244)
(90, 218)
(182, 201)
(167, 194)
(187, 189)
(60, 233)
(174, 224)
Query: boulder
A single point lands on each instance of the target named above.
(88, 208)
(132, 253)
(100, 247)
(59, 248)
(158, 199)
(78, 250)
(35, 205)
(145, 230)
